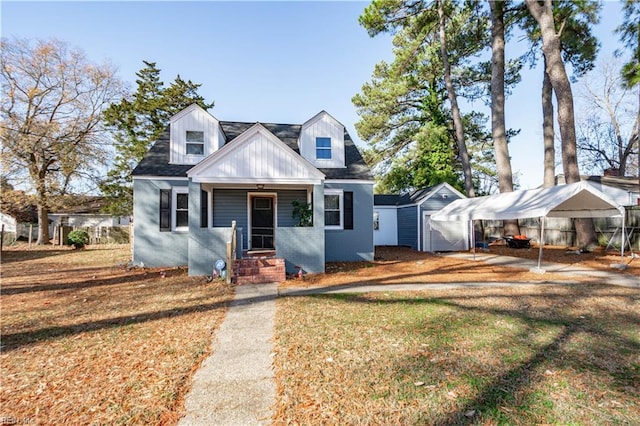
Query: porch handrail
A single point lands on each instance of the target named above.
(231, 252)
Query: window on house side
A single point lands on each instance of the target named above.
(333, 210)
(323, 148)
(195, 142)
(181, 212)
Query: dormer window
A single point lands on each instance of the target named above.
(323, 148)
(195, 142)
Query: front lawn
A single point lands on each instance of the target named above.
(528, 355)
(86, 340)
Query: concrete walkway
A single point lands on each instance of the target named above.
(235, 385)
(601, 276)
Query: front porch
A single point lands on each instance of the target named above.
(266, 230)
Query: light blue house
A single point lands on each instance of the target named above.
(204, 173)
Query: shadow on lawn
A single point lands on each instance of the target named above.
(133, 277)
(13, 341)
(10, 256)
(504, 393)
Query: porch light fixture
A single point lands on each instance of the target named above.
(260, 186)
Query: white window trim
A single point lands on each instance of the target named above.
(340, 193)
(174, 207)
(330, 149)
(187, 143)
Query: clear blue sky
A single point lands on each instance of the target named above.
(263, 61)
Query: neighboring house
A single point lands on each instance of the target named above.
(19, 215)
(203, 174)
(9, 224)
(405, 220)
(85, 213)
(623, 189)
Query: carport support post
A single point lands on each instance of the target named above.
(624, 213)
(541, 243)
(473, 238)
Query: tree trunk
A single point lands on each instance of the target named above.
(43, 225)
(549, 178)
(455, 111)
(585, 231)
(498, 126)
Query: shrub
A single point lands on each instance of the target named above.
(303, 212)
(78, 238)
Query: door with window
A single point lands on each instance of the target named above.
(262, 223)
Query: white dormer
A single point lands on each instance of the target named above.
(195, 134)
(322, 141)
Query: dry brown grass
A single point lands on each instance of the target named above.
(86, 340)
(517, 356)
(529, 354)
(396, 265)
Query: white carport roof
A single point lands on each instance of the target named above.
(572, 200)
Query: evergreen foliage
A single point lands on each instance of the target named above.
(404, 112)
(137, 121)
(629, 32)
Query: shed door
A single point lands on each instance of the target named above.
(444, 235)
(262, 224)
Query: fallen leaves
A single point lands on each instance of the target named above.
(90, 342)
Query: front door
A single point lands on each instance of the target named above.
(262, 223)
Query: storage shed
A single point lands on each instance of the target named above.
(405, 220)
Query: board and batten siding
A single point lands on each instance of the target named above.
(150, 246)
(260, 159)
(196, 119)
(323, 125)
(408, 226)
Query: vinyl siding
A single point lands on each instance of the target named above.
(230, 205)
(150, 246)
(353, 244)
(408, 227)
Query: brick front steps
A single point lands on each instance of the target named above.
(259, 270)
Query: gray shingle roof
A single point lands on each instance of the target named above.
(401, 200)
(156, 161)
(385, 199)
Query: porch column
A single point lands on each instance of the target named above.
(318, 206)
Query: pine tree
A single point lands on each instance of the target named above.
(137, 122)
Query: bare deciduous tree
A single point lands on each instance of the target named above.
(50, 116)
(609, 126)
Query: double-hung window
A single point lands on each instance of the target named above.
(323, 148)
(333, 209)
(181, 209)
(195, 142)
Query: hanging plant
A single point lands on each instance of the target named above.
(303, 212)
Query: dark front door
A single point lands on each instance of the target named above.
(262, 223)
